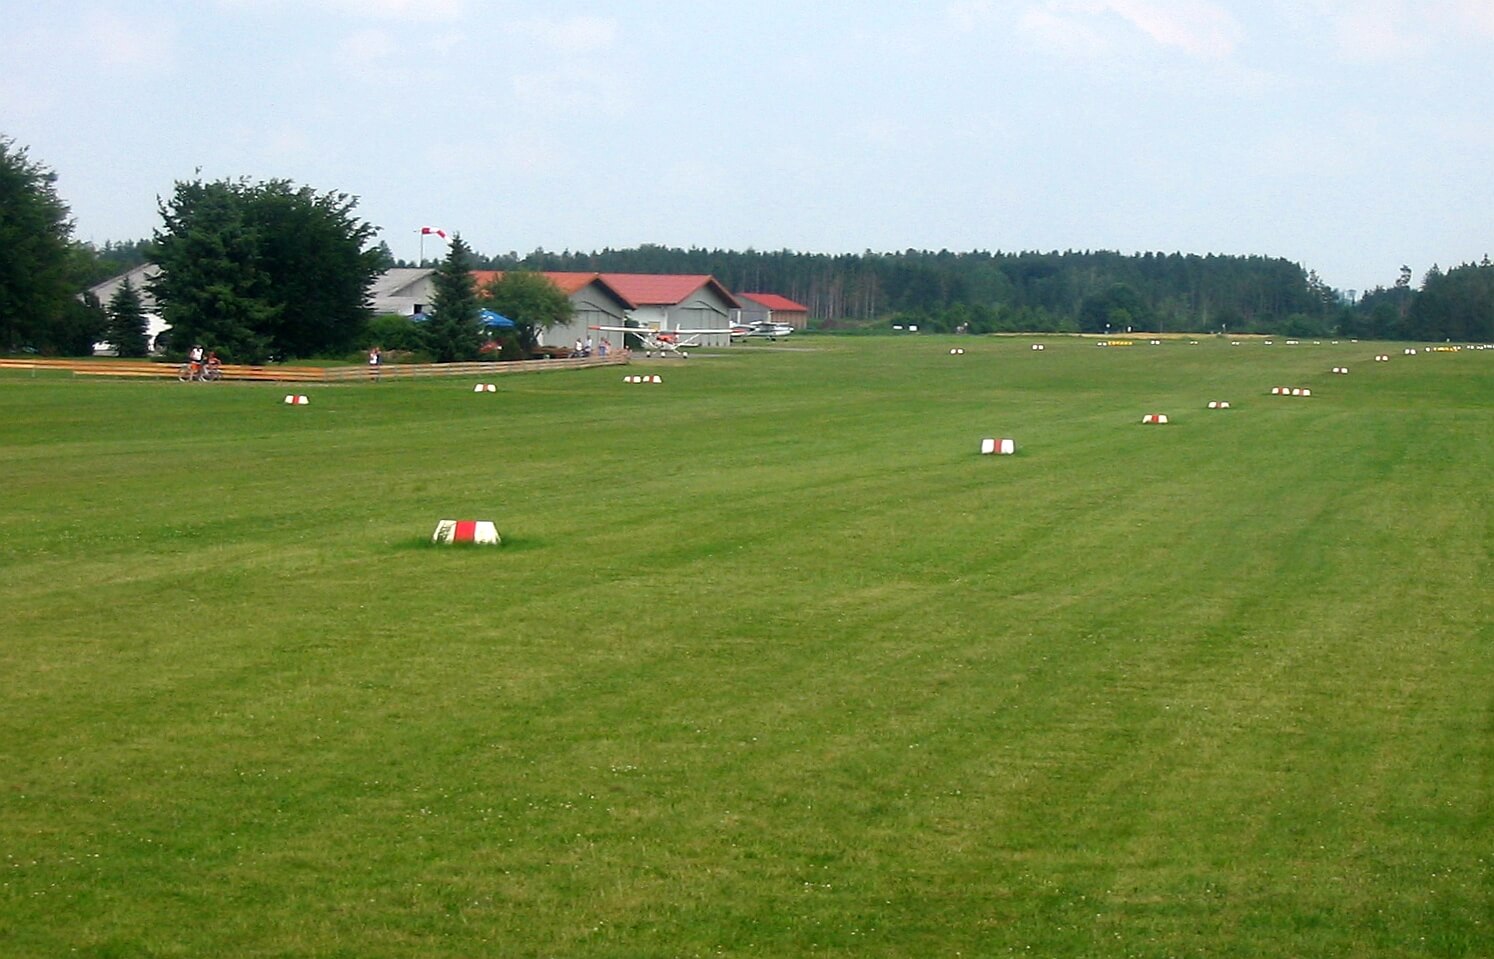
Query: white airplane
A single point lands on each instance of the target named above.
(761, 328)
(663, 342)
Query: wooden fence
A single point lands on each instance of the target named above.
(310, 374)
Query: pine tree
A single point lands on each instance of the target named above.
(36, 300)
(127, 324)
(256, 270)
(452, 333)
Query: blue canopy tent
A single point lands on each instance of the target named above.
(494, 321)
(489, 319)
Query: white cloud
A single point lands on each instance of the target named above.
(366, 48)
(104, 52)
(579, 88)
(1196, 27)
(577, 75)
(111, 39)
(971, 14)
(1477, 15)
(406, 10)
(571, 35)
(1387, 30)
(1064, 34)
(1372, 30)
(1204, 30)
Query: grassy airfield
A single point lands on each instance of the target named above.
(771, 663)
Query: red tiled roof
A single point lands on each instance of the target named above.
(662, 289)
(775, 302)
(567, 283)
(634, 289)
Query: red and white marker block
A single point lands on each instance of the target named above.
(485, 388)
(1341, 369)
(957, 351)
(656, 378)
(1382, 358)
(1155, 419)
(1219, 404)
(292, 399)
(466, 531)
(1409, 351)
(1038, 347)
(999, 447)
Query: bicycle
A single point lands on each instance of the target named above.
(191, 372)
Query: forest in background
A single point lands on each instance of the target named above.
(272, 266)
(1071, 291)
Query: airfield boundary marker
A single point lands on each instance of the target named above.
(482, 532)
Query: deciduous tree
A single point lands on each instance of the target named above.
(531, 301)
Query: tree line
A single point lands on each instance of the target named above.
(272, 269)
(1090, 291)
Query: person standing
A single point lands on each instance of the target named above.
(375, 360)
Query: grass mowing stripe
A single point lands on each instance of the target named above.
(773, 664)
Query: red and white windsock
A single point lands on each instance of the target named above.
(433, 231)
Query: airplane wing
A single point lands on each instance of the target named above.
(656, 331)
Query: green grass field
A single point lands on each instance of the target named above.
(771, 663)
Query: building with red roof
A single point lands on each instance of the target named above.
(671, 301)
(660, 301)
(593, 303)
(772, 308)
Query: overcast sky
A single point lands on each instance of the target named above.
(1352, 136)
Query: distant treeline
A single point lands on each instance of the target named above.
(1071, 291)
